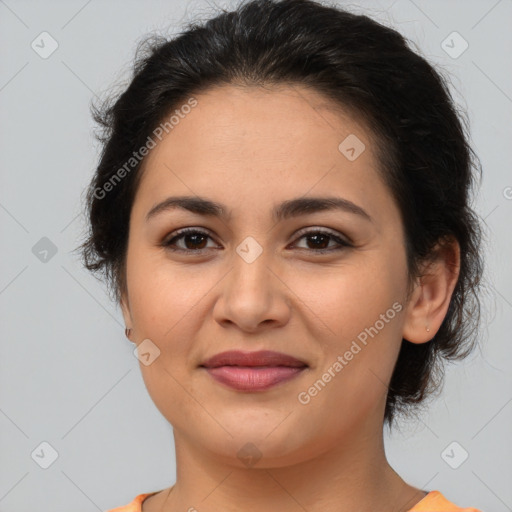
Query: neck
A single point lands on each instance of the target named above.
(352, 475)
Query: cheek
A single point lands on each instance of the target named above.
(363, 308)
(164, 310)
(352, 380)
(353, 297)
(161, 294)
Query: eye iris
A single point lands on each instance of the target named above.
(194, 236)
(317, 237)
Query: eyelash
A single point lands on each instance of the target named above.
(167, 244)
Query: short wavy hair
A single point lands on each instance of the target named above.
(421, 138)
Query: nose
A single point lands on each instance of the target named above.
(253, 295)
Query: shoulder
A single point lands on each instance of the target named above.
(434, 501)
(133, 506)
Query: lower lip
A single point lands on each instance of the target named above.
(244, 378)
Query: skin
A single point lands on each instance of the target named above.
(250, 149)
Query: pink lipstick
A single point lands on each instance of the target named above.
(253, 371)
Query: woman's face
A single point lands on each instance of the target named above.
(252, 281)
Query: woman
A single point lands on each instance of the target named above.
(282, 212)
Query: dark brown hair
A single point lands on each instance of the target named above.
(362, 66)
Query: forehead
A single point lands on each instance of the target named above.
(277, 118)
(253, 143)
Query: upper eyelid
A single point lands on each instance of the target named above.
(315, 229)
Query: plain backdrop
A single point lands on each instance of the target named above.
(71, 393)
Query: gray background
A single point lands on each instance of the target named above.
(67, 374)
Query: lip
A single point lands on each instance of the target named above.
(253, 371)
(259, 358)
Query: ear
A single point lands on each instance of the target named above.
(430, 298)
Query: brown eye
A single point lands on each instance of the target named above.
(194, 240)
(319, 240)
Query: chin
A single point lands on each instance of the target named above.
(260, 445)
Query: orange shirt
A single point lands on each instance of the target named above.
(434, 501)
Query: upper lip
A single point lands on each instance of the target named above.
(259, 358)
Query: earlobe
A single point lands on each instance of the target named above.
(431, 296)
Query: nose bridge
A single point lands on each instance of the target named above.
(252, 294)
(251, 263)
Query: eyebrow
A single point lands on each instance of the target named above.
(285, 210)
